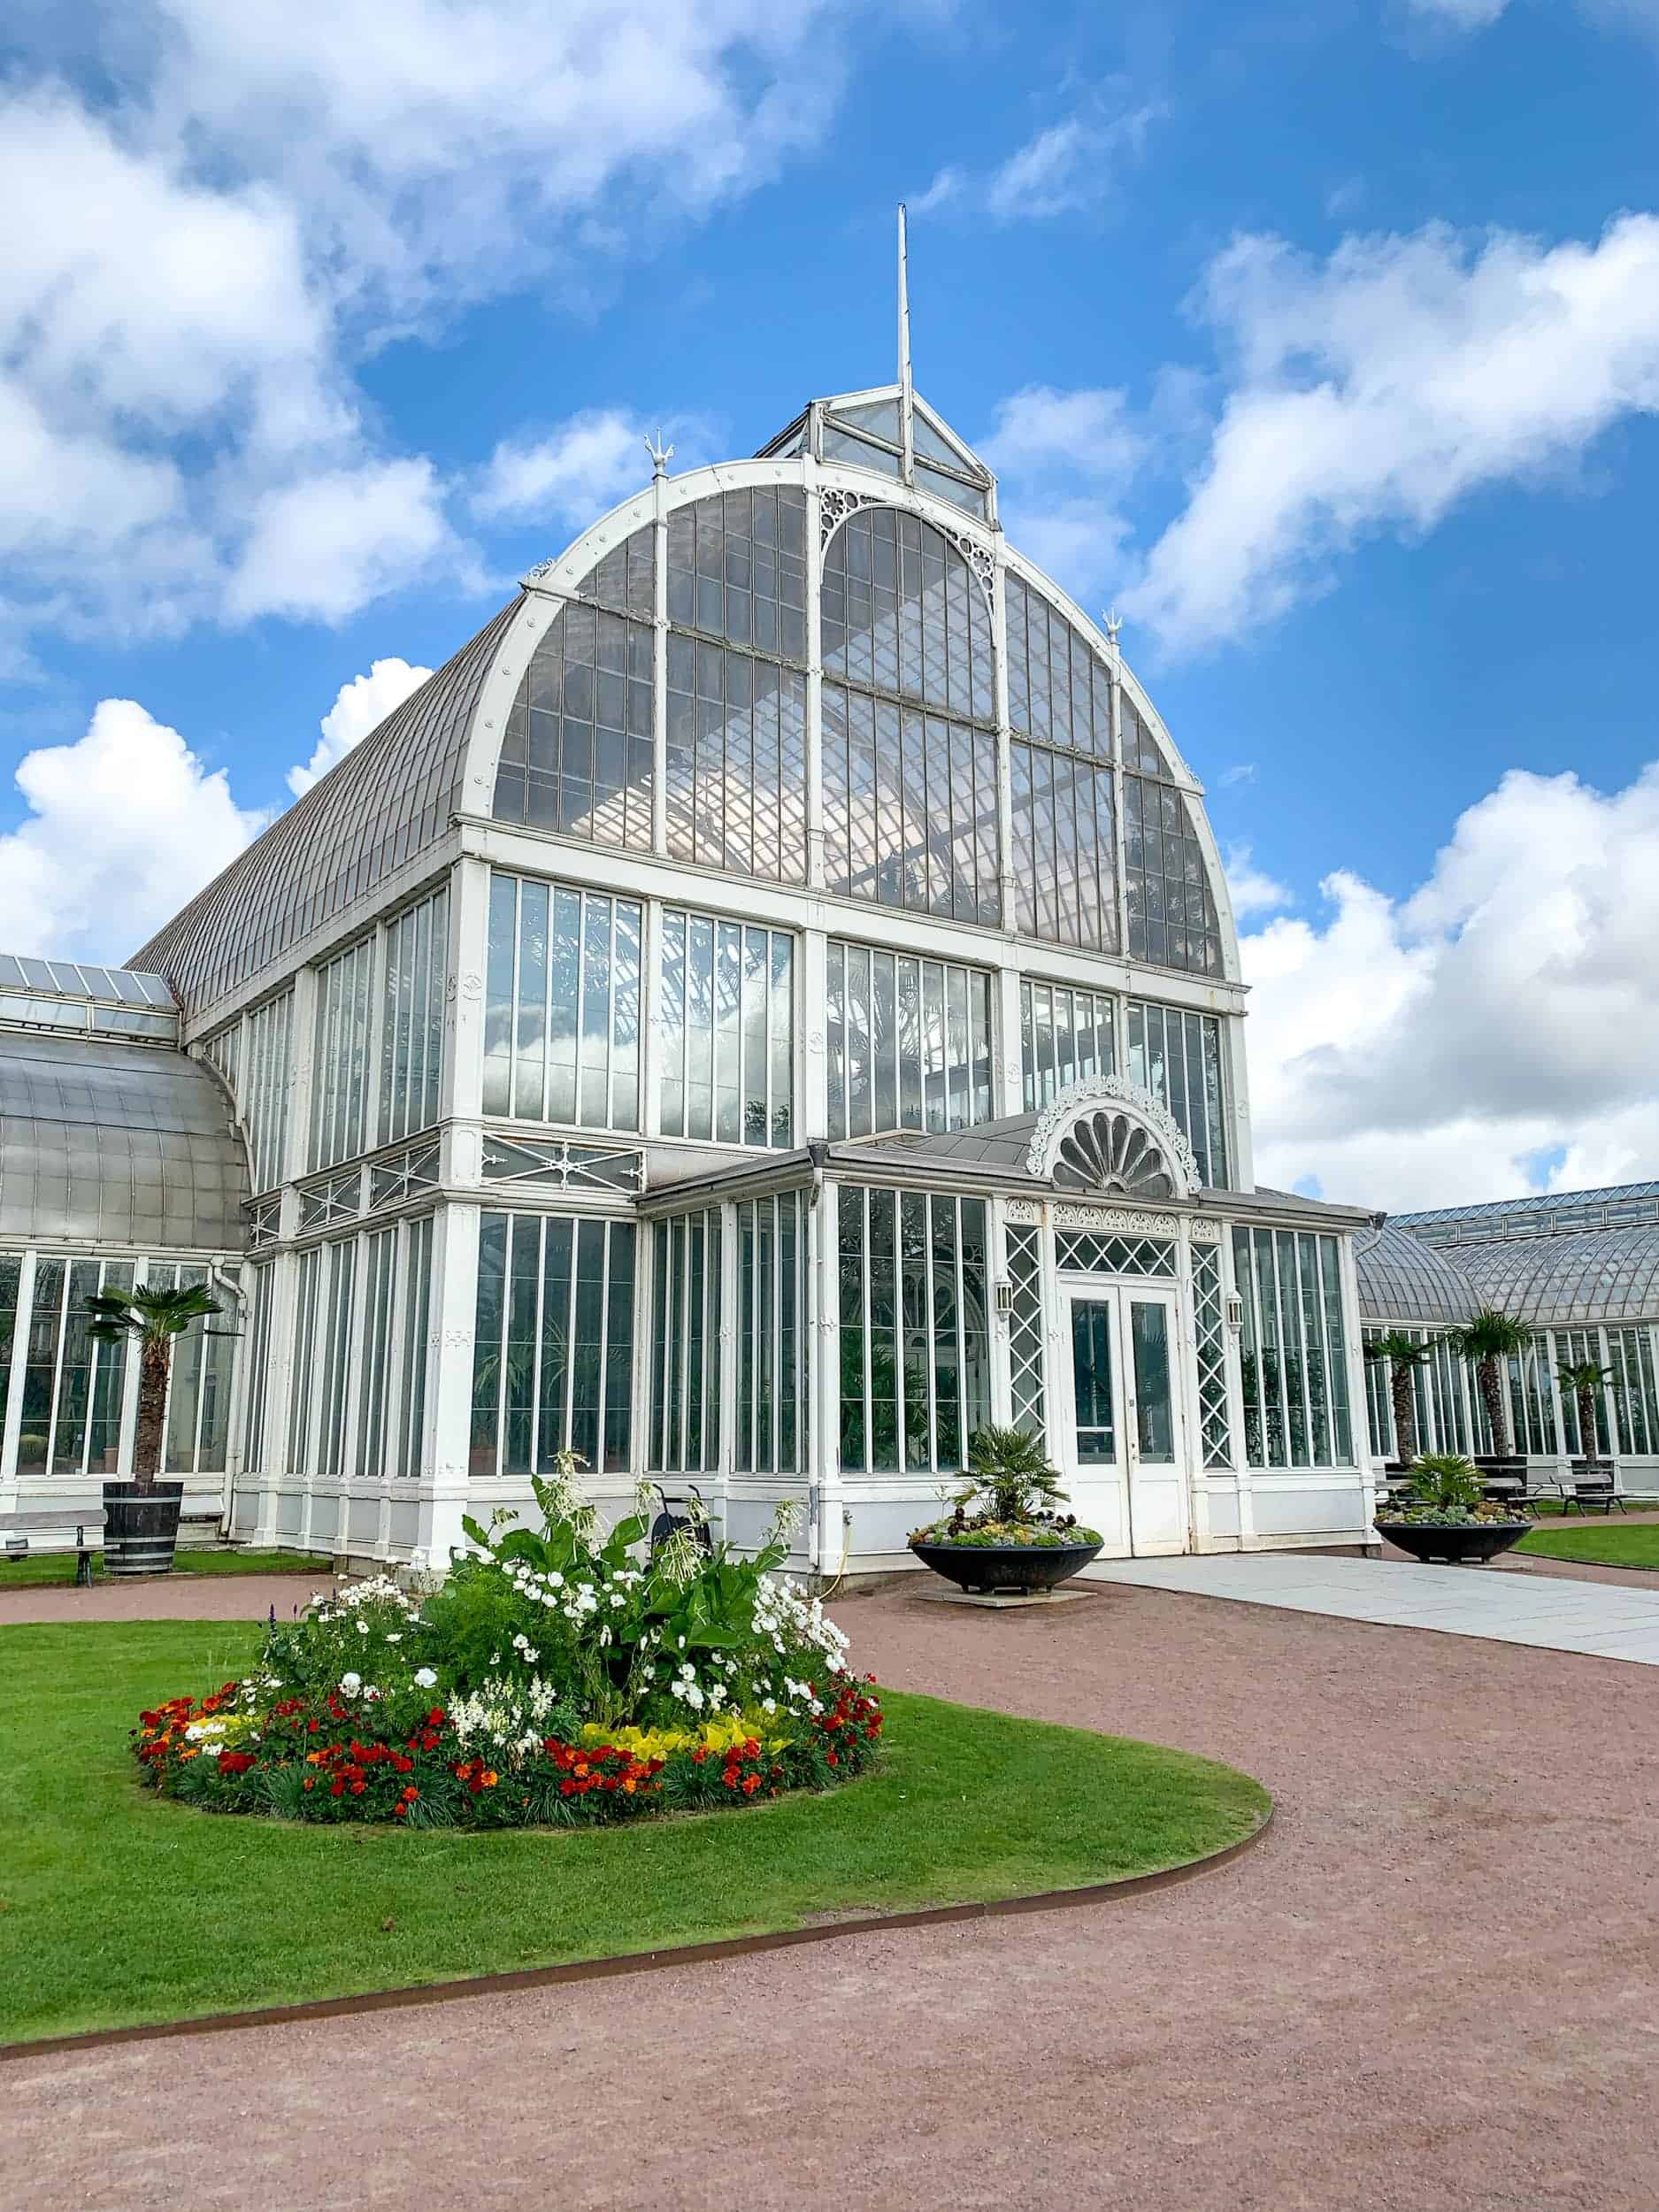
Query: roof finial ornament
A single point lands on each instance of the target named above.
(1114, 626)
(661, 454)
(907, 391)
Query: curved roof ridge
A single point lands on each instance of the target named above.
(384, 802)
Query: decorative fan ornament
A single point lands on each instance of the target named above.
(1106, 1151)
(1109, 1137)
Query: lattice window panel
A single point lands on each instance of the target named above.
(556, 1165)
(1215, 1427)
(1083, 1250)
(1026, 1330)
(405, 1177)
(263, 1223)
(339, 1199)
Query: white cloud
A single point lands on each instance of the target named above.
(1063, 461)
(199, 259)
(320, 548)
(1463, 15)
(1240, 771)
(1251, 889)
(1375, 391)
(1066, 166)
(1420, 1052)
(360, 706)
(123, 826)
(581, 467)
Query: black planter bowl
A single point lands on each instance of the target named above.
(140, 1528)
(1026, 1569)
(1457, 1547)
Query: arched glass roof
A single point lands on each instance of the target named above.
(117, 1144)
(1402, 1280)
(1601, 1275)
(389, 799)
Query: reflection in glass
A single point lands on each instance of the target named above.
(1293, 1351)
(1065, 1037)
(737, 569)
(1172, 919)
(553, 1345)
(915, 1337)
(771, 1379)
(1154, 1423)
(909, 1040)
(1093, 1387)
(1059, 689)
(727, 1030)
(909, 808)
(1065, 861)
(685, 1343)
(736, 762)
(576, 753)
(904, 614)
(562, 1005)
(1176, 1055)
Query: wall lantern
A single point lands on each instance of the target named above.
(1236, 1311)
(1004, 1291)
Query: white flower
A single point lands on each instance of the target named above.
(362, 1628)
(351, 1684)
(425, 1679)
(394, 1640)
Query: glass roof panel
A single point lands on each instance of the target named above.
(841, 445)
(879, 415)
(931, 447)
(941, 486)
(1400, 1280)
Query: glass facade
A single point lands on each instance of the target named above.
(909, 808)
(915, 1329)
(685, 1291)
(736, 762)
(576, 755)
(771, 1379)
(340, 1056)
(727, 1031)
(908, 1043)
(265, 1101)
(1293, 1351)
(417, 962)
(1066, 1036)
(1064, 858)
(562, 1005)
(1176, 1056)
(553, 1348)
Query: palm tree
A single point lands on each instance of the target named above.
(1581, 1379)
(1403, 1353)
(157, 1318)
(1490, 1337)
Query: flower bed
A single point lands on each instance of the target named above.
(552, 1679)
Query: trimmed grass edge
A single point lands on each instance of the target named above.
(460, 1988)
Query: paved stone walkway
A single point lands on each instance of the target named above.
(1553, 1613)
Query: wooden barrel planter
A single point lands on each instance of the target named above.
(140, 1528)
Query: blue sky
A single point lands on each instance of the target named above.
(1324, 340)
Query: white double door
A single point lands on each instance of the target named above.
(1124, 1457)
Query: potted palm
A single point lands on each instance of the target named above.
(1403, 1353)
(140, 1516)
(1008, 1529)
(1582, 1382)
(1443, 1513)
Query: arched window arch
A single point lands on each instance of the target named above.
(908, 721)
(1060, 769)
(576, 753)
(736, 709)
(1169, 905)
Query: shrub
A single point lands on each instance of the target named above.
(555, 1675)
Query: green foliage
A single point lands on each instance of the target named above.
(1400, 1351)
(1491, 1335)
(1012, 1479)
(155, 1317)
(1445, 1481)
(1577, 1377)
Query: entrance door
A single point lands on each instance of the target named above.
(1125, 1414)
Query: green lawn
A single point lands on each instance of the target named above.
(119, 1906)
(49, 1567)
(1606, 1543)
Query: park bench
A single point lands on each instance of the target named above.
(17, 1528)
(1594, 1487)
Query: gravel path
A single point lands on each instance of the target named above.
(1432, 1988)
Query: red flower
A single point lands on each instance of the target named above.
(751, 1783)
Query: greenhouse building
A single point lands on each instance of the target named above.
(767, 1007)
